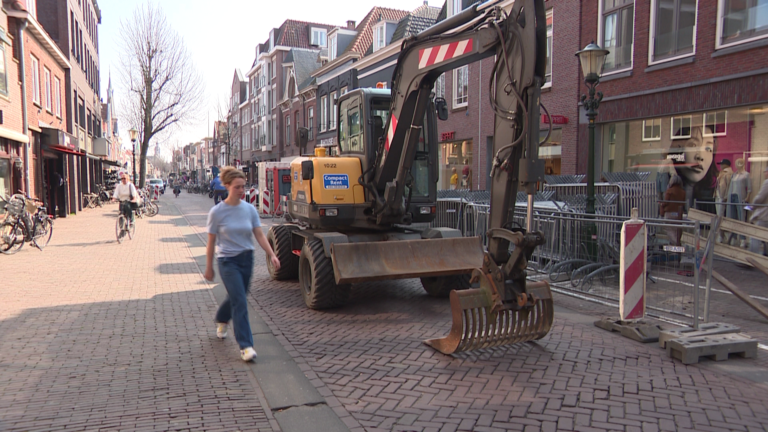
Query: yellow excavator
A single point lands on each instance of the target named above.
(353, 214)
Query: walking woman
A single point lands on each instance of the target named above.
(232, 226)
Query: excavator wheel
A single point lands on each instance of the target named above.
(316, 279)
(441, 286)
(279, 237)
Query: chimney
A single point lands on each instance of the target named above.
(350, 25)
(425, 3)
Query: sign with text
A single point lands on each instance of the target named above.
(445, 136)
(556, 119)
(335, 181)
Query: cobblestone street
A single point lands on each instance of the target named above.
(119, 337)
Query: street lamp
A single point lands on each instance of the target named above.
(134, 134)
(592, 59)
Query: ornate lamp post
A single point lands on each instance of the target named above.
(592, 59)
(134, 134)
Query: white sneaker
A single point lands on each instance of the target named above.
(248, 354)
(221, 330)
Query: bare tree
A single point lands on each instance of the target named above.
(165, 90)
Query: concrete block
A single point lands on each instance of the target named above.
(689, 350)
(641, 331)
(706, 329)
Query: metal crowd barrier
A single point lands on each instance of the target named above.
(638, 194)
(581, 254)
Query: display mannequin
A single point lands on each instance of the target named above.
(721, 192)
(738, 193)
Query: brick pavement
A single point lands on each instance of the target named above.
(97, 335)
(368, 360)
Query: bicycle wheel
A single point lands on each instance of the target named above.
(131, 229)
(11, 237)
(43, 233)
(120, 228)
(153, 209)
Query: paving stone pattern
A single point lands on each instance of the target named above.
(369, 361)
(97, 335)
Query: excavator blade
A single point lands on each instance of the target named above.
(360, 262)
(476, 325)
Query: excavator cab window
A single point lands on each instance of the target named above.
(420, 168)
(351, 137)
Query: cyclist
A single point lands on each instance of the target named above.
(126, 193)
(219, 191)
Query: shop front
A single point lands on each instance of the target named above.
(697, 147)
(60, 171)
(11, 167)
(455, 156)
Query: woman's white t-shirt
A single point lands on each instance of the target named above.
(124, 192)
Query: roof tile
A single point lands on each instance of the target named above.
(364, 37)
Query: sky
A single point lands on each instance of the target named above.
(220, 37)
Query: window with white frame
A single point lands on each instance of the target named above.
(681, 127)
(548, 73)
(57, 95)
(673, 28)
(439, 87)
(288, 130)
(618, 22)
(379, 36)
(47, 89)
(742, 20)
(714, 123)
(35, 64)
(332, 48)
(334, 98)
(3, 68)
(652, 130)
(319, 37)
(454, 7)
(323, 113)
(310, 122)
(460, 86)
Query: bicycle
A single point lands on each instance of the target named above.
(22, 226)
(124, 226)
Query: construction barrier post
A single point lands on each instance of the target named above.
(634, 241)
(156, 195)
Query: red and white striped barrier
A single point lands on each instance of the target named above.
(156, 194)
(266, 202)
(252, 196)
(634, 242)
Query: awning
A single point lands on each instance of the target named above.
(11, 135)
(66, 150)
(109, 162)
(89, 156)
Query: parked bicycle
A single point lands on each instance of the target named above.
(26, 221)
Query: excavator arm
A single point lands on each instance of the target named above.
(518, 41)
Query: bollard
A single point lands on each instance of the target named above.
(156, 195)
(252, 196)
(266, 202)
(634, 241)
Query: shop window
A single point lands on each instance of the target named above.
(551, 151)
(673, 28)
(618, 33)
(715, 123)
(681, 127)
(652, 130)
(742, 21)
(455, 165)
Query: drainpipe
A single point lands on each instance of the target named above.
(24, 120)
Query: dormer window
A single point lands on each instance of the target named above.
(319, 37)
(379, 36)
(332, 46)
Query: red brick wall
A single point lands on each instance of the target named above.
(704, 67)
(11, 105)
(476, 121)
(33, 48)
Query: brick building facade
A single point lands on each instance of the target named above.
(683, 91)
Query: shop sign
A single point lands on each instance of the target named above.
(556, 119)
(286, 178)
(445, 136)
(328, 142)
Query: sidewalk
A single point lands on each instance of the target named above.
(368, 360)
(100, 335)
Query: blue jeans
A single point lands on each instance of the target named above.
(236, 274)
(219, 195)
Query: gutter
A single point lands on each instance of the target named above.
(24, 119)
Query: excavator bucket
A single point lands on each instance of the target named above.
(383, 260)
(477, 324)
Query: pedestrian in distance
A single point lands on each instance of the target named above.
(673, 207)
(233, 225)
(219, 190)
